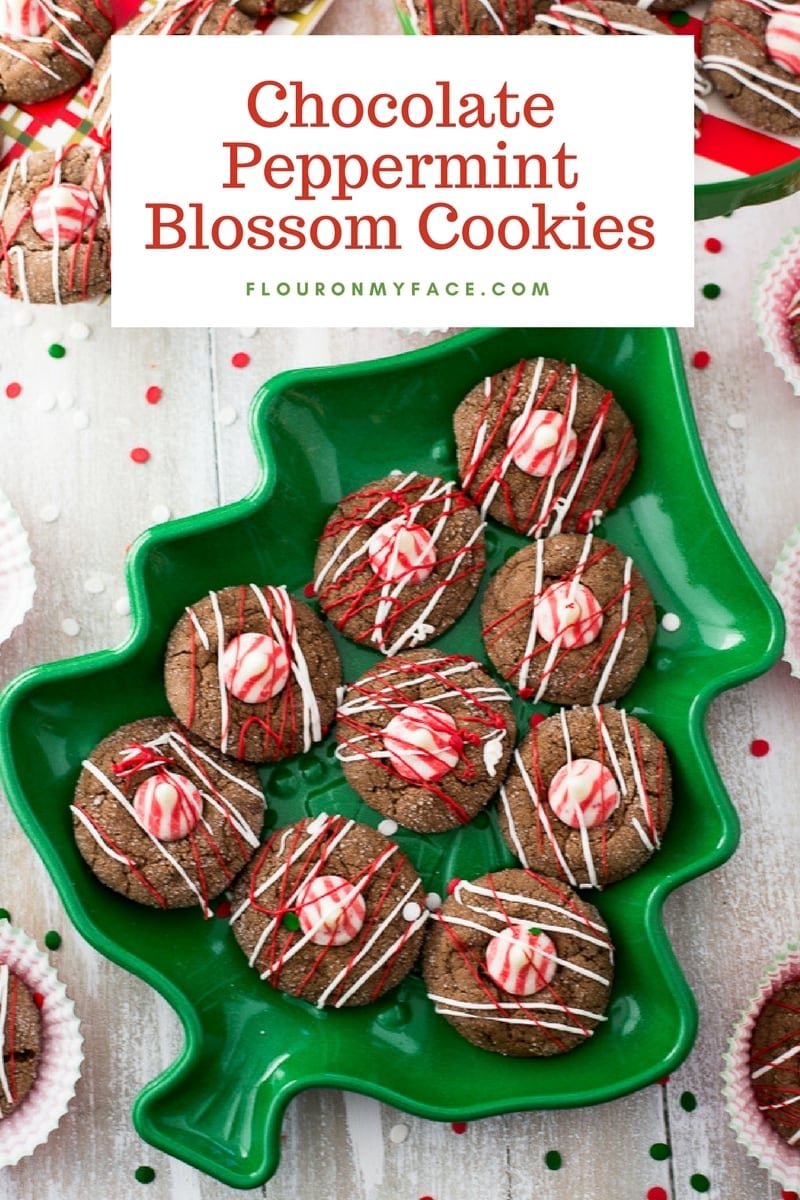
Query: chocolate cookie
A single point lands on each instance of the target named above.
(331, 911)
(425, 738)
(775, 1061)
(793, 317)
(253, 671)
(48, 48)
(164, 820)
(518, 964)
(543, 448)
(472, 16)
(20, 1040)
(587, 797)
(750, 50)
(399, 561)
(568, 619)
(173, 17)
(56, 245)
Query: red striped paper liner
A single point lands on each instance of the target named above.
(777, 282)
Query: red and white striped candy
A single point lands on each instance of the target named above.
(168, 806)
(255, 667)
(330, 911)
(23, 19)
(399, 551)
(62, 211)
(583, 793)
(783, 40)
(520, 962)
(569, 611)
(542, 442)
(423, 743)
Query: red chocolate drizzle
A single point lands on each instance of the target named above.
(486, 24)
(778, 1091)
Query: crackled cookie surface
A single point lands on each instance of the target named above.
(568, 619)
(425, 738)
(519, 964)
(163, 819)
(253, 671)
(20, 1040)
(543, 448)
(46, 48)
(399, 561)
(331, 911)
(775, 1061)
(587, 797)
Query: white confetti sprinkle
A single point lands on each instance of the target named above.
(80, 419)
(122, 605)
(23, 316)
(49, 513)
(398, 1134)
(670, 621)
(411, 911)
(65, 399)
(46, 402)
(79, 331)
(94, 584)
(388, 827)
(160, 513)
(70, 627)
(248, 333)
(433, 901)
(737, 420)
(227, 415)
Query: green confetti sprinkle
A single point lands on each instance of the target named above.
(5, 915)
(56, 350)
(700, 1183)
(688, 1101)
(711, 290)
(679, 19)
(144, 1174)
(535, 930)
(52, 939)
(291, 921)
(552, 1160)
(659, 1151)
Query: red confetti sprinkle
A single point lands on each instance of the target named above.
(38, 999)
(701, 359)
(153, 394)
(308, 590)
(759, 747)
(657, 1193)
(452, 885)
(140, 455)
(459, 1126)
(713, 245)
(789, 1196)
(224, 909)
(240, 359)
(13, 390)
(536, 719)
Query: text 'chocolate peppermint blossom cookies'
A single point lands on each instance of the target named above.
(518, 964)
(587, 797)
(56, 240)
(543, 448)
(20, 1040)
(331, 911)
(164, 820)
(425, 738)
(254, 672)
(568, 620)
(399, 561)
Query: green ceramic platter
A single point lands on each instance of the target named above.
(319, 434)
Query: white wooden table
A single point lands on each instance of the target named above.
(64, 463)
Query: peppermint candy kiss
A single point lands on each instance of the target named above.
(519, 961)
(423, 743)
(331, 911)
(168, 806)
(62, 211)
(254, 667)
(783, 40)
(583, 793)
(570, 612)
(23, 19)
(542, 443)
(400, 551)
